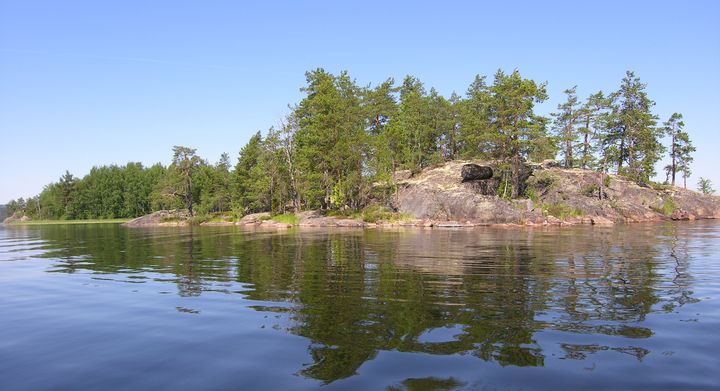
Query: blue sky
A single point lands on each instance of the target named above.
(86, 83)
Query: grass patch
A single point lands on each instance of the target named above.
(545, 180)
(70, 222)
(531, 194)
(375, 213)
(540, 183)
(667, 207)
(614, 203)
(561, 210)
(287, 218)
(221, 217)
(169, 219)
(660, 186)
(590, 190)
(198, 219)
(607, 180)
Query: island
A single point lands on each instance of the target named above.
(402, 155)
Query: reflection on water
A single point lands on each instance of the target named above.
(491, 299)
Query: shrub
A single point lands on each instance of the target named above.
(198, 219)
(606, 181)
(287, 218)
(545, 180)
(590, 190)
(660, 186)
(614, 203)
(668, 206)
(531, 194)
(561, 210)
(375, 213)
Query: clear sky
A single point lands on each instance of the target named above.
(86, 83)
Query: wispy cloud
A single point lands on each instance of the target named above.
(122, 59)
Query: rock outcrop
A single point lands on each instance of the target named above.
(440, 194)
(553, 195)
(161, 218)
(17, 216)
(462, 194)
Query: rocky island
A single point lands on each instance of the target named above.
(467, 194)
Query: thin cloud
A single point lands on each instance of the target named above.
(123, 58)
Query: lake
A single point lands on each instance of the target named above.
(105, 307)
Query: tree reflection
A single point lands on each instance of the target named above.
(488, 293)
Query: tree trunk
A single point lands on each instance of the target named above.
(673, 153)
(585, 143)
(620, 152)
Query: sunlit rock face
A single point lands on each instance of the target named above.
(456, 192)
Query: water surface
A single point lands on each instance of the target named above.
(104, 307)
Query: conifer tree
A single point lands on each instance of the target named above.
(517, 132)
(565, 125)
(632, 128)
(680, 146)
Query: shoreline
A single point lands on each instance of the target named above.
(443, 197)
(66, 222)
(272, 225)
(343, 223)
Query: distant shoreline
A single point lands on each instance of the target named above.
(67, 222)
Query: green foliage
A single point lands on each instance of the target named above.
(614, 203)
(566, 124)
(287, 218)
(705, 186)
(544, 180)
(590, 190)
(561, 210)
(660, 186)
(531, 193)
(681, 148)
(631, 136)
(668, 206)
(177, 184)
(331, 141)
(607, 180)
(199, 219)
(376, 213)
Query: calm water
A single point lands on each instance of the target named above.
(103, 307)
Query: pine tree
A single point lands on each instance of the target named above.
(565, 125)
(705, 186)
(330, 141)
(632, 127)
(592, 114)
(474, 133)
(517, 132)
(184, 164)
(680, 146)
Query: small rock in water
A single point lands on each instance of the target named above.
(599, 220)
(681, 214)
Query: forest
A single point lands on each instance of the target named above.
(339, 147)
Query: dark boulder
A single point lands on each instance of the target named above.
(474, 172)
